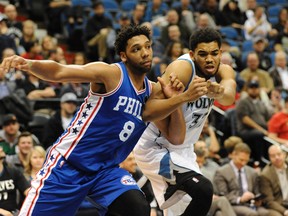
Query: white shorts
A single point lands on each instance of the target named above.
(160, 163)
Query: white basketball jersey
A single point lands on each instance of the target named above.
(159, 159)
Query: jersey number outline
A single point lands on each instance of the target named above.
(197, 119)
(128, 129)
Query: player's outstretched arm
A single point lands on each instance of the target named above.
(55, 72)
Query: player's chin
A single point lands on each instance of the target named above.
(210, 71)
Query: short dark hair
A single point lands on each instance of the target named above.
(96, 4)
(242, 147)
(204, 35)
(127, 33)
(24, 134)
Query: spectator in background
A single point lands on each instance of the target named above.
(174, 34)
(57, 54)
(11, 13)
(6, 86)
(10, 133)
(11, 76)
(12, 181)
(212, 9)
(249, 8)
(278, 125)
(279, 72)
(36, 88)
(172, 18)
(123, 19)
(260, 45)
(25, 144)
(186, 16)
(48, 43)
(54, 10)
(96, 32)
(282, 19)
(240, 193)
(252, 118)
(34, 51)
(138, 13)
(57, 123)
(5, 40)
(220, 205)
(28, 38)
(258, 25)
(155, 13)
(281, 40)
(229, 145)
(275, 101)
(79, 58)
(173, 51)
(233, 16)
(204, 21)
(274, 182)
(265, 81)
(35, 160)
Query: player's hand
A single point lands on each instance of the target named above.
(16, 62)
(173, 88)
(196, 89)
(215, 90)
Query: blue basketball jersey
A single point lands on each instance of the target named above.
(106, 127)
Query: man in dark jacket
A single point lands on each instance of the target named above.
(60, 120)
(96, 32)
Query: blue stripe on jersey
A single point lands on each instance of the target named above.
(106, 127)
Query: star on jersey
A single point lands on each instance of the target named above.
(42, 172)
(75, 131)
(84, 114)
(80, 122)
(52, 157)
(89, 106)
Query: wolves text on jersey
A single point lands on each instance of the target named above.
(130, 106)
(201, 103)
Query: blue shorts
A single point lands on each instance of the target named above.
(59, 188)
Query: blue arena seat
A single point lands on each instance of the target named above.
(128, 5)
(229, 32)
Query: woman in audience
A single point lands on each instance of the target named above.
(34, 163)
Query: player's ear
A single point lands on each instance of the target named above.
(123, 56)
(191, 54)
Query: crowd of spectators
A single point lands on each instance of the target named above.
(255, 35)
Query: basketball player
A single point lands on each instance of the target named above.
(172, 169)
(84, 159)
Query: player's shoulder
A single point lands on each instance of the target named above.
(226, 71)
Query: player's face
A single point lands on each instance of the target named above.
(207, 57)
(138, 55)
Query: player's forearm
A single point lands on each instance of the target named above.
(45, 69)
(176, 129)
(158, 109)
(229, 94)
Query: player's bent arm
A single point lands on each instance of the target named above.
(158, 107)
(173, 127)
(227, 76)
